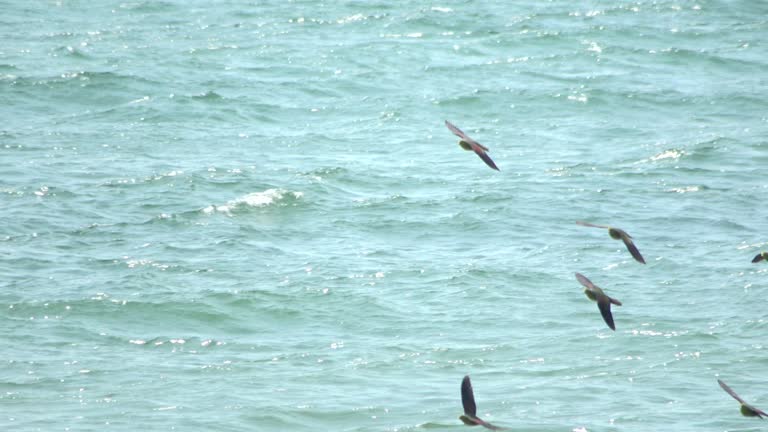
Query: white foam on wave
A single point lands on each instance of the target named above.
(161, 176)
(671, 154)
(685, 189)
(255, 199)
(668, 154)
(351, 18)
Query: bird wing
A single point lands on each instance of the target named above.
(484, 156)
(478, 148)
(468, 397)
(758, 258)
(631, 247)
(604, 304)
(586, 282)
(587, 224)
(731, 392)
(459, 133)
(760, 413)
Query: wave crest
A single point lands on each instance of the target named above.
(256, 199)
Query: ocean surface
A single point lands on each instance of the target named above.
(249, 215)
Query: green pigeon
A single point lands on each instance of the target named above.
(470, 417)
(619, 234)
(595, 293)
(468, 143)
(747, 410)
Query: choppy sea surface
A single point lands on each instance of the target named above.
(249, 215)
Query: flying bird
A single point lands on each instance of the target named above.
(747, 410)
(470, 417)
(759, 257)
(619, 234)
(468, 143)
(596, 294)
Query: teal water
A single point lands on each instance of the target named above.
(229, 216)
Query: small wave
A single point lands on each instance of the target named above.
(5, 72)
(668, 154)
(149, 6)
(71, 51)
(745, 245)
(83, 81)
(322, 174)
(671, 154)
(686, 189)
(89, 76)
(154, 342)
(209, 95)
(351, 19)
(255, 199)
(165, 176)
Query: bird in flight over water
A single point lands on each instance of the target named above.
(747, 410)
(759, 257)
(470, 417)
(619, 234)
(596, 294)
(468, 143)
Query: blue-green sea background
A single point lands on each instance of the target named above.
(249, 216)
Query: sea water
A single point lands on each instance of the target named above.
(249, 215)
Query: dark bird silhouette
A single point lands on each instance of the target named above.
(470, 417)
(747, 410)
(760, 257)
(596, 294)
(619, 234)
(468, 143)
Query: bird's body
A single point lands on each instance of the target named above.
(747, 410)
(468, 144)
(470, 417)
(760, 257)
(616, 234)
(604, 302)
(619, 234)
(591, 294)
(750, 412)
